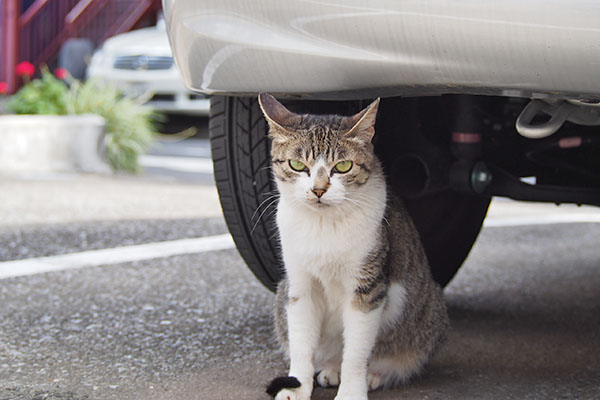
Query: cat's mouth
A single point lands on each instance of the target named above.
(318, 203)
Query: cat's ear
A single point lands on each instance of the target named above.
(361, 126)
(280, 119)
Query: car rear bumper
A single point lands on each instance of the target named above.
(352, 49)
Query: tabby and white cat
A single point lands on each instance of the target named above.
(358, 305)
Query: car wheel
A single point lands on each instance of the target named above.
(448, 222)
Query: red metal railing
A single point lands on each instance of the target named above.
(37, 34)
(41, 29)
(9, 44)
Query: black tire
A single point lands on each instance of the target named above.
(448, 222)
(241, 156)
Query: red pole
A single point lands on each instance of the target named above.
(10, 45)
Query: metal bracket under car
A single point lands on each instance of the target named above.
(577, 111)
(490, 180)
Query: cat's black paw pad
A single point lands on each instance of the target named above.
(282, 382)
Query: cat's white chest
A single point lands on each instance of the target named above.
(326, 246)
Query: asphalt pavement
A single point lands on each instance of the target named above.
(525, 307)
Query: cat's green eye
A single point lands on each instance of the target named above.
(297, 165)
(343, 166)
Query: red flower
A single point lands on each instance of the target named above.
(3, 87)
(61, 73)
(25, 68)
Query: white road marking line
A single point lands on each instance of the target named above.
(184, 164)
(93, 258)
(548, 219)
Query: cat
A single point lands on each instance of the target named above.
(357, 305)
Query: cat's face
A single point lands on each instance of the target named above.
(320, 161)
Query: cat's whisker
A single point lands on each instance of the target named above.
(263, 202)
(362, 196)
(275, 233)
(264, 168)
(272, 212)
(366, 197)
(357, 202)
(269, 193)
(354, 197)
(386, 221)
(260, 216)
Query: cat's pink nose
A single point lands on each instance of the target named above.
(318, 192)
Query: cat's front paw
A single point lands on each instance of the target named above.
(351, 397)
(287, 388)
(352, 392)
(291, 394)
(328, 378)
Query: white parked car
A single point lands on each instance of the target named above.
(140, 62)
(479, 99)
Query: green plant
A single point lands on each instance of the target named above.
(130, 125)
(46, 95)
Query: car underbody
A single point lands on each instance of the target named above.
(473, 144)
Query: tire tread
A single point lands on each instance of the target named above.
(240, 151)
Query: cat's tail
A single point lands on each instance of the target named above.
(399, 370)
(280, 383)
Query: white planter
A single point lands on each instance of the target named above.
(52, 143)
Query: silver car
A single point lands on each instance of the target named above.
(480, 99)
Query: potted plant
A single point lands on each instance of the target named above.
(60, 123)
